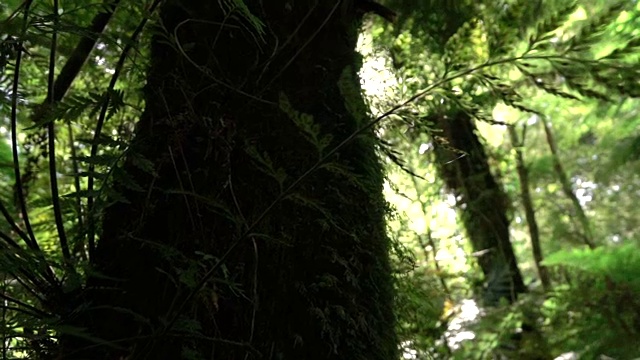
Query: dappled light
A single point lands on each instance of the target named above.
(556, 138)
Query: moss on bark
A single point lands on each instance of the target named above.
(295, 263)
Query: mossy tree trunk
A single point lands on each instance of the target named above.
(227, 246)
(464, 166)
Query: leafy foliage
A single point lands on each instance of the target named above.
(617, 264)
(599, 313)
(573, 64)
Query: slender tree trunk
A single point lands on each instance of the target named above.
(429, 241)
(587, 234)
(248, 237)
(530, 214)
(464, 167)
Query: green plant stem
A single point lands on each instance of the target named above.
(79, 245)
(51, 135)
(31, 239)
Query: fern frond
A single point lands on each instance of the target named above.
(557, 19)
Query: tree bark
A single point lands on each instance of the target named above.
(464, 167)
(246, 240)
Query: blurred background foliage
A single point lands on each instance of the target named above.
(550, 87)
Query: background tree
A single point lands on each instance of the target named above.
(511, 64)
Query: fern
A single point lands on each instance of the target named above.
(266, 165)
(305, 122)
(591, 33)
(555, 21)
(627, 151)
(620, 263)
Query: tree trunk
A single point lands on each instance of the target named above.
(229, 247)
(529, 211)
(463, 165)
(567, 188)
